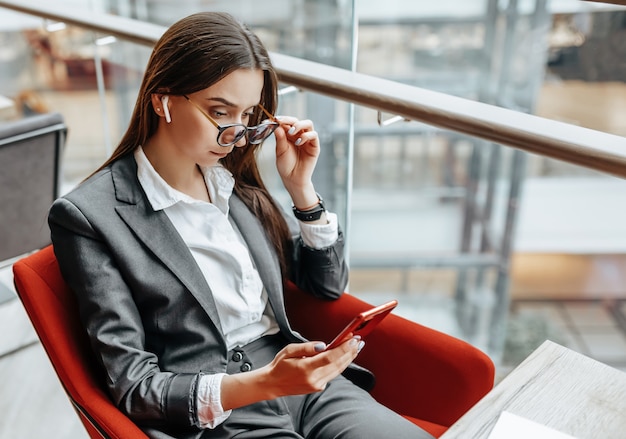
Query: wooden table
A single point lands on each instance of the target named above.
(558, 388)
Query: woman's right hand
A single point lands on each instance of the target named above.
(299, 368)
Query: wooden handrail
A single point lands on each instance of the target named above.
(615, 2)
(136, 31)
(569, 143)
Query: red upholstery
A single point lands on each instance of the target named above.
(429, 377)
(52, 310)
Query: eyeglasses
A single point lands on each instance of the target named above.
(232, 133)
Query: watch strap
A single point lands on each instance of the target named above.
(312, 214)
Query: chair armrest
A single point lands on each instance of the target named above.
(420, 372)
(53, 312)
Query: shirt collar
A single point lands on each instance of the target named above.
(220, 183)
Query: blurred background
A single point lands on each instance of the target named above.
(494, 245)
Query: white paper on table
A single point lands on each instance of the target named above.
(510, 426)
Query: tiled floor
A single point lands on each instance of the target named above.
(596, 328)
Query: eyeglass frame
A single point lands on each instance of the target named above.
(221, 128)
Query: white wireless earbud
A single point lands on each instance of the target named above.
(165, 99)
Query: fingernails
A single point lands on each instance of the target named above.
(291, 131)
(320, 347)
(361, 344)
(354, 341)
(299, 141)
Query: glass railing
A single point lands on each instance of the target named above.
(425, 120)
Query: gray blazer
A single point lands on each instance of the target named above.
(145, 304)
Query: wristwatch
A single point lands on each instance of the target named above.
(311, 214)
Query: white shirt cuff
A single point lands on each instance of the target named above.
(320, 235)
(209, 401)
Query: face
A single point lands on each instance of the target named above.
(231, 100)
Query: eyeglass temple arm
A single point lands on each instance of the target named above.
(268, 114)
(215, 124)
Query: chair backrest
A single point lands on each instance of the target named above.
(30, 152)
(52, 308)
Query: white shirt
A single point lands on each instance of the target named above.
(223, 257)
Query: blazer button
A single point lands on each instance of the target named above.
(237, 356)
(246, 367)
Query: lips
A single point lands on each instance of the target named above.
(220, 155)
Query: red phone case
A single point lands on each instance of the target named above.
(363, 323)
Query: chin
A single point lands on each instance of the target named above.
(207, 162)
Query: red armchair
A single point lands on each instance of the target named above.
(429, 377)
(53, 311)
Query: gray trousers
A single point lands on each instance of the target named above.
(342, 410)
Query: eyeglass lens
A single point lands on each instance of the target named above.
(231, 134)
(234, 133)
(261, 131)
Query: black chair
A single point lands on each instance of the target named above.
(30, 157)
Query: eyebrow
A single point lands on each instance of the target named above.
(222, 100)
(227, 102)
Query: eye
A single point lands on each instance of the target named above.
(217, 113)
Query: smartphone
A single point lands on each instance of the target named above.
(363, 323)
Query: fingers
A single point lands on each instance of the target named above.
(287, 122)
(307, 367)
(332, 362)
(352, 345)
(350, 348)
(308, 349)
(298, 132)
(297, 151)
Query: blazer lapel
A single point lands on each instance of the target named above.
(156, 231)
(265, 259)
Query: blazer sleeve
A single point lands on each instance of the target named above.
(113, 324)
(321, 272)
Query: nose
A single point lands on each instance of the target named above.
(242, 142)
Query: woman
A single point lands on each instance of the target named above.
(178, 254)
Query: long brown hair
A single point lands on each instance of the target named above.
(193, 54)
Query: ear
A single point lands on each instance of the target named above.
(160, 105)
(166, 109)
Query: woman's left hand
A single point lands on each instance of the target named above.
(297, 150)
